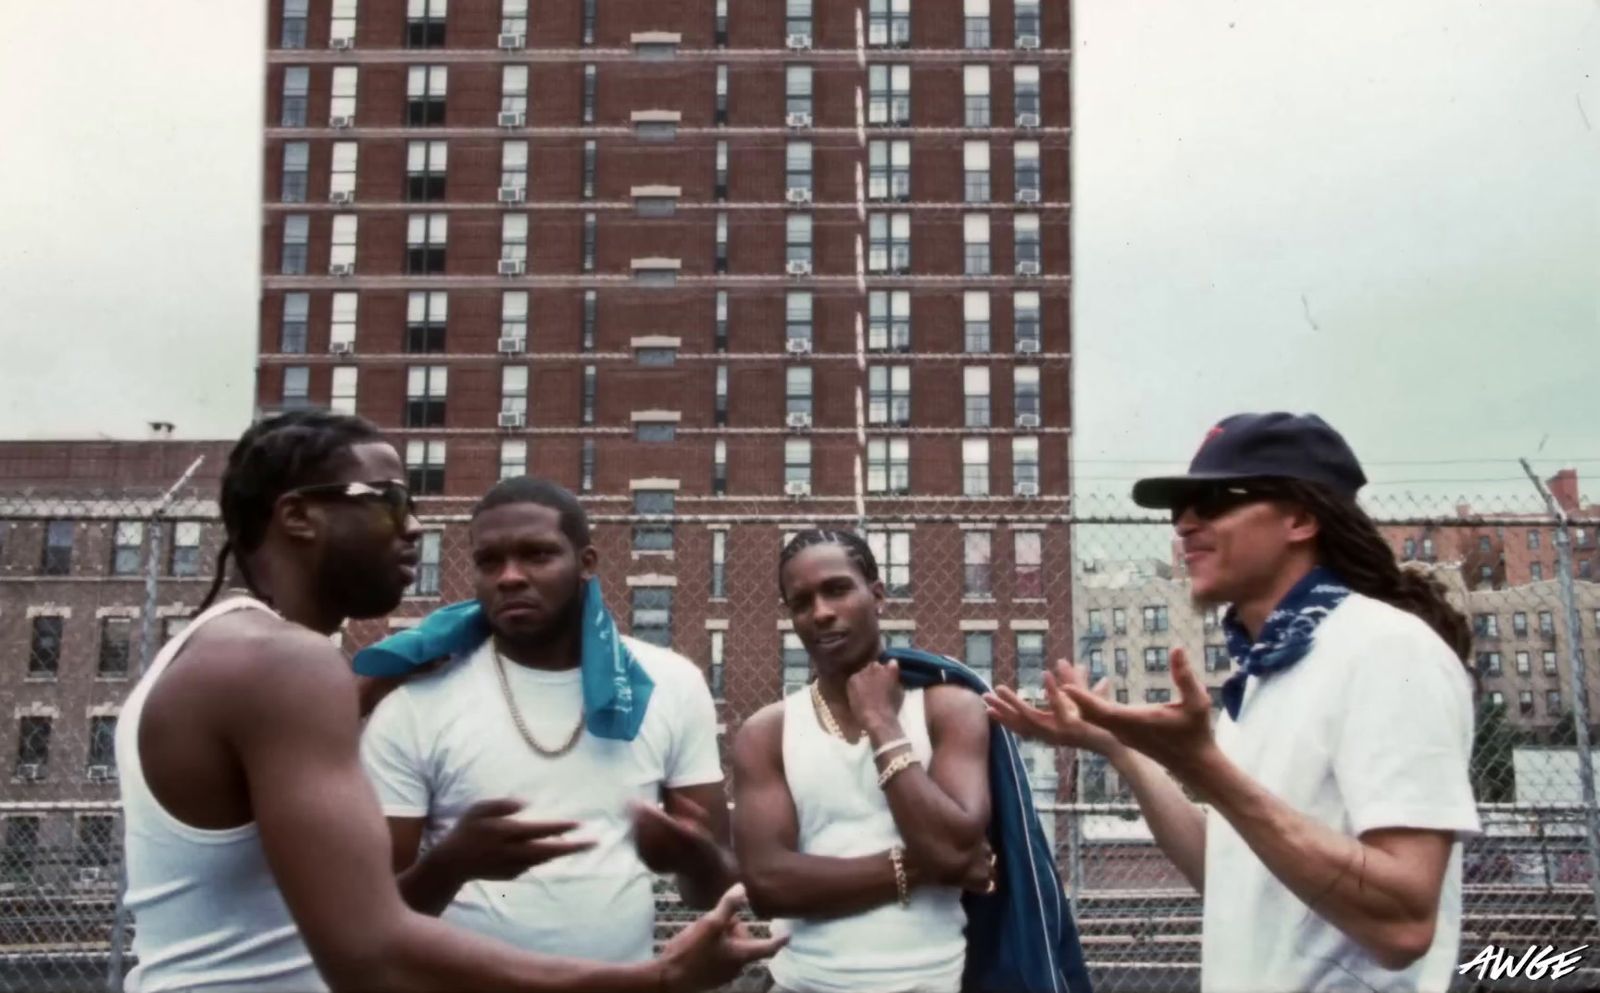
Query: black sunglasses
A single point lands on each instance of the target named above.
(393, 495)
(1213, 501)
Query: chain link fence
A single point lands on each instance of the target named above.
(91, 583)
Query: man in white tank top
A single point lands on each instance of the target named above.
(861, 809)
(257, 857)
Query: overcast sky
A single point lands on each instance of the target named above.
(1387, 212)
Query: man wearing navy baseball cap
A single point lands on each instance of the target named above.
(1337, 777)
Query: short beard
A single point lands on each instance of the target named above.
(568, 621)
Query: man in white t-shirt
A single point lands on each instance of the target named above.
(455, 753)
(1337, 776)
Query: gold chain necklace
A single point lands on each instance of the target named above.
(825, 715)
(516, 717)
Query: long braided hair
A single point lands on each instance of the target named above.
(281, 453)
(855, 547)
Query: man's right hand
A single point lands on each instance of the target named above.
(490, 842)
(1060, 722)
(714, 950)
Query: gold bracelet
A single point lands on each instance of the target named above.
(897, 858)
(899, 764)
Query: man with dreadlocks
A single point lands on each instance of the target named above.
(1337, 776)
(257, 857)
(861, 808)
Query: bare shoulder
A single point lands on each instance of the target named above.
(253, 664)
(947, 702)
(760, 735)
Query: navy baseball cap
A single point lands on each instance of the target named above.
(1260, 446)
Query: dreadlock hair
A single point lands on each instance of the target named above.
(274, 456)
(531, 489)
(855, 547)
(1349, 544)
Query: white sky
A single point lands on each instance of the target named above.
(1387, 212)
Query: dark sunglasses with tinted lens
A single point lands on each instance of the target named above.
(393, 495)
(1212, 502)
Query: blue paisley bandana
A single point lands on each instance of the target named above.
(1285, 638)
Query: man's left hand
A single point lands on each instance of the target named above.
(1177, 735)
(673, 843)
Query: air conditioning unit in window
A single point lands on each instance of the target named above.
(513, 194)
(341, 43)
(799, 421)
(1027, 268)
(1028, 346)
(1027, 195)
(340, 196)
(796, 489)
(798, 194)
(798, 119)
(798, 42)
(798, 267)
(798, 346)
(101, 774)
(342, 269)
(513, 267)
(30, 772)
(1027, 489)
(341, 121)
(1027, 120)
(512, 118)
(341, 347)
(1027, 41)
(513, 346)
(1027, 420)
(513, 418)
(90, 874)
(510, 40)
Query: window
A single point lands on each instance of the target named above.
(296, 233)
(653, 536)
(975, 321)
(1519, 624)
(979, 655)
(889, 243)
(589, 388)
(797, 238)
(975, 88)
(796, 663)
(343, 21)
(342, 319)
(1552, 702)
(296, 160)
(715, 678)
(1121, 658)
(292, 333)
(1524, 666)
(1487, 625)
(889, 465)
(889, 170)
(975, 239)
(1217, 658)
(1025, 329)
(33, 742)
(296, 83)
(1030, 660)
(719, 468)
(977, 579)
(975, 467)
(428, 547)
(1025, 88)
(719, 261)
(1427, 550)
(797, 90)
(514, 91)
(426, 88)
(513, 458)
(720, 108)
(126, 540)
(21, 848)
(1547, 624)
(652, 614)
(975, 171)
(342, 99)
(428, 313)
(425, 467)
(514, 390)
(1483, 543)
(514, 165)
(1536, 571)
(57, 558)
(720, 328)
(1030, 565)
(426, 237)
(97, 837)
(591, 84)
(797, 166)
(294, 24)
(1025, 231)
(185, 555)
(719, 25)
(1489, 663)
(514, 238)
(889, 94)
(720, 405)
(797, 16)
(514, 17)
(586, 466)
(426, 391)
(513, 316)
(1533, 540)
(1525, 701)
(1122, 696)
(976, 23)
(1097, 665)
(427, 163)
(1155, 660)
(655, 432)
(342, 243)
(719, 565)
(889, 320)
(889, 23)
(889, 395)
(425, 20)
(892, 549)
(590, 15)
(1410, 549)
(1155, 619)
(1024, 463)
(1025, 393)
(797, 390)
(103, 741)
(44, 650)
(296, 386)
(1157, 696)
(1026, 13)
(1028, 183)
(975, 390)
(797, 308)
(720, 180)
(797, 461)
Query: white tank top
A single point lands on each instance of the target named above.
(843, 813)
(207, 912)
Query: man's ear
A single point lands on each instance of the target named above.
(298, 518)
(588, 562)
(1303, 525)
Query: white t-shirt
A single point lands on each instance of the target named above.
(1372, 729)
(445, 741)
